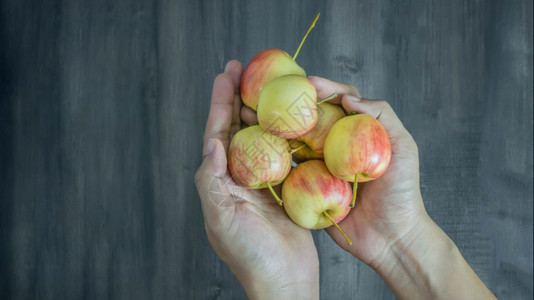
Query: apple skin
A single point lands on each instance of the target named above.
(357, 144)
(329, 114)
(287, 106)
(309, 190)
(264, 67)
(256, 158)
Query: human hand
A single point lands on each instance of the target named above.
(271, 256)
(388, 207)
(389, 225)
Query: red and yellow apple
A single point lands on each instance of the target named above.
(264, 67)
(357, 144)
(287, 106)
(312, 142)
(257, 159)
(314, 198)
(357, 149)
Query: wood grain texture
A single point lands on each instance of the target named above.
(103, 106)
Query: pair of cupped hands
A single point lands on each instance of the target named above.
(251, 233)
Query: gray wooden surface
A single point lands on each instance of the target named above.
(103, 105)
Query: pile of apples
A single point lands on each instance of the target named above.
(332, 148)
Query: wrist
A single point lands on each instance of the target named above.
(301, 285)
(402, 264)
(288, 290)
(426, 264)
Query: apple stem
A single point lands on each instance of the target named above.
(298, 148)
(305, 36)
(334, 95)
(326, 214)
(274, 194)
(354, 190)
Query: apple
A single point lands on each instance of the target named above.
(357, 149)
(314, 198)
(312, 142)
(266, 66)
(287, 106)
(257, 159)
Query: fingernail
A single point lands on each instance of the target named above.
(354, 98)
(210, 145)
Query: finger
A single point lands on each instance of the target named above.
(235, 69)
(210, 178)
(249, 116)
(380, 110)
(221, 109)
(325, 88)
(236, 117)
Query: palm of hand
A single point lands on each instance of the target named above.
(256, 229)
(386, 208)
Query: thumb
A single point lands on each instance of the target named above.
(401, 139)
(211, 179)
(326, 87)
(380, 110)
(213, 159)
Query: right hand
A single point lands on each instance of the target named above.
(271, 256)
(389, 207)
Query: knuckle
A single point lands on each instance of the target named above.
(414, 145)
(349, 87)
(409, 142)
(221, 75)
(384, 105)
(354, 91)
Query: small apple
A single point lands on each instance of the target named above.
(312, 142)
(266, 66)
(287, 106)
(314, 198)
(257, 159)
(357, 149)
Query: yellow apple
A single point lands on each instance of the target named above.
(287, 106)
(312, 142)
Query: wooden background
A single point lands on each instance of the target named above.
(103, 106)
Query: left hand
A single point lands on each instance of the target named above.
(271, 256)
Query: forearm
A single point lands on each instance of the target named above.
(426, 264)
